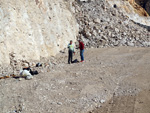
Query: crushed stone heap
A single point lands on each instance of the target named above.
(103, 26)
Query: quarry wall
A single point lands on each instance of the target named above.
(31, 29)
(38, 29)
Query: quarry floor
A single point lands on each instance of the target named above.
(111, 80)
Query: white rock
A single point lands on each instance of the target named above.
(130, 44)
(123, 41)
(20, 79)
(97, 20)
(25, 65)
(117, 30)
(102, 101)
(59, 103)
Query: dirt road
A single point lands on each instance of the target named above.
(111, 80)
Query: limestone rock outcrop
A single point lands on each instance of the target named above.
(30, 29)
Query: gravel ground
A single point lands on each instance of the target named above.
(111, 80)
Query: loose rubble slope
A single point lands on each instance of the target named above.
(104, 26)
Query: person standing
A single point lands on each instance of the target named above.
(81, 46)
(70, 52)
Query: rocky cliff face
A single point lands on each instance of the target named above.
(31, 29)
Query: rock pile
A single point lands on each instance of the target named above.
(16, 65)
(103, 26)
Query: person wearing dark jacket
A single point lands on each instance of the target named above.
(81, 46)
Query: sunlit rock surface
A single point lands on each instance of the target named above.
(31, 29)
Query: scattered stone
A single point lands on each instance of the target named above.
(102, 101)
(59, 103)
(97, 20)
(130, 44)
(116, 30)
(20, 79)
(25, 65)
(38, 65)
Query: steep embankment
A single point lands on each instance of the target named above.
(33, 29)
(104, 26)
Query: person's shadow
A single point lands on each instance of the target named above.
(75, 61)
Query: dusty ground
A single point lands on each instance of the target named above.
(118, 76)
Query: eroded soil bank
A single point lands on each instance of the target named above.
(119, 77)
